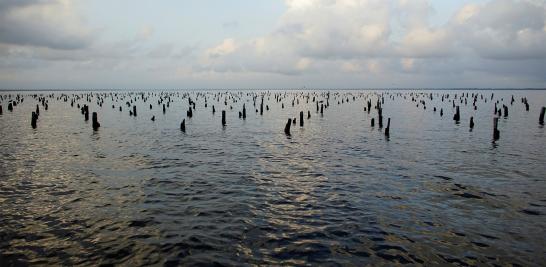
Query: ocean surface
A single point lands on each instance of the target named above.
(335, 192)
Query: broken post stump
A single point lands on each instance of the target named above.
(96, 123)
(287, 127)
(33, 120)
(496, 133)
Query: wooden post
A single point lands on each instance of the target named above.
(213, 110)
(287, 127)
(96, 123)
(441, 112)
(541, 118)
(387, 130)
(496, 133)
(134, 111)
(0, 109)
(471, 122)
(163, 108)
(33, 120)
(183, 126)
(244, 111)
(10, 106)
(373, 122)
(457, 116)
(505, 111)
(301, 118)
(308, 114)
(321, 109)
(153, 118)
(223, 118)
(37, 110)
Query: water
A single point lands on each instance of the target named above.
(335, 192)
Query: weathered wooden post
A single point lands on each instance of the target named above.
(183, 125)
(189, 113)
(244, 111)
(441, 112)
(308, 114)
(223, 118)
(321, 109)
(505, 110)
(153, 118)
(96, 123)
(301, 118)
(134, 111)
(457, 116)
(37, 110)
(387, 130)
(213, 110)
(163, 108)
(33, 120)
(373, 122)
(541, 118)
(0, 109)
(471, 122)
(287, 127)
(496, 133)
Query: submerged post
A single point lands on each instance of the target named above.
(457, 116)
(183, 126)
(471, 122)
(134, 111)
(244, 111)
(301, 118)
(496, 133)
(287, 127)
(33, 120)
(223, 118)
(96, 123)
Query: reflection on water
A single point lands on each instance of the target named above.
(335, 192)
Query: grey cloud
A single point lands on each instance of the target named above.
(51, 24)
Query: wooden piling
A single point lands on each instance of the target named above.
(223, 118)
(96, 123)
(373, 122)
(153, 118)
(471, 122)
(496, 133)
(457, 116)
(287, 127)
(308, 114)
(183, 125)
(244, 111)
(10, 106)
(134, 111)
(33, 120)
(301, 118)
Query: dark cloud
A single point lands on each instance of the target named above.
(51, 24)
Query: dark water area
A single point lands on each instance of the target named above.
(336, 192)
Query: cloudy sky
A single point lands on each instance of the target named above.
(272, 44)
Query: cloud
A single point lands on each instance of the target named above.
(376, 37)
(52, 24)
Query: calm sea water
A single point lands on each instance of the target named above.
(335, 192)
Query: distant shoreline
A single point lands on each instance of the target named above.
(276, 89)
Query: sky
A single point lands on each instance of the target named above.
(182, 44)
